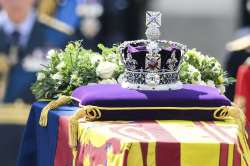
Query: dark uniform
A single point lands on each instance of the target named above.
(22, 73)
(238, 50)
(234, 61)
(122, 20)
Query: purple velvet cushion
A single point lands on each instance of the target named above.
(116, 96)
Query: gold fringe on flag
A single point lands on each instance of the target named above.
(43, 121)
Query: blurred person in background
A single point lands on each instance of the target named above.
(24, 42)
(238, 64)
(123, 20)
(95, 21)
(239, 48)
(25, 37)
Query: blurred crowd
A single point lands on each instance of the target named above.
(238, 49)
(29, 28)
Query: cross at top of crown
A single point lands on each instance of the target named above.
(153, 22)
(153, 19)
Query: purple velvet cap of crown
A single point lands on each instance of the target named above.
(139, 50)
(142, 48)
(116, 96)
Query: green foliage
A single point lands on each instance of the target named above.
(202, 69)
(72, 67)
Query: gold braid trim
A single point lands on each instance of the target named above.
(56, 24)
(87, 113)
(43, 121)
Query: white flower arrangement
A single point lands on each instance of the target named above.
(203, 70)
(75, 66)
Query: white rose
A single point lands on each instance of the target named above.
(60, 66)
(194, 81)
(202, 83)
(57, 76)
(222, 89)
(74, 76)
(210, 83)
(40, 76)
(108, 81)
(96, 58)
(51, 53)
(192, 69)
(199, 82)
(92, 83)
(105, 70)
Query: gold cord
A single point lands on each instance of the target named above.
(87, 113)
(43, 121)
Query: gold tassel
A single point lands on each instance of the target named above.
(87, 113)
(43, 121)
(74, 153)
(237, 115)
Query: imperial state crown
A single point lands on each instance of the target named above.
(151, 64)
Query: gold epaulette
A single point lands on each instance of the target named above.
(239, 44)
(56, 24)
(47, 7)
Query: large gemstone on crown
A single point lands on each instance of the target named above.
(153, 64)
(152, 79)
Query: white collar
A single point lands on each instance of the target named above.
(23, 28)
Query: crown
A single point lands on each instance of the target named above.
(151, 64)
